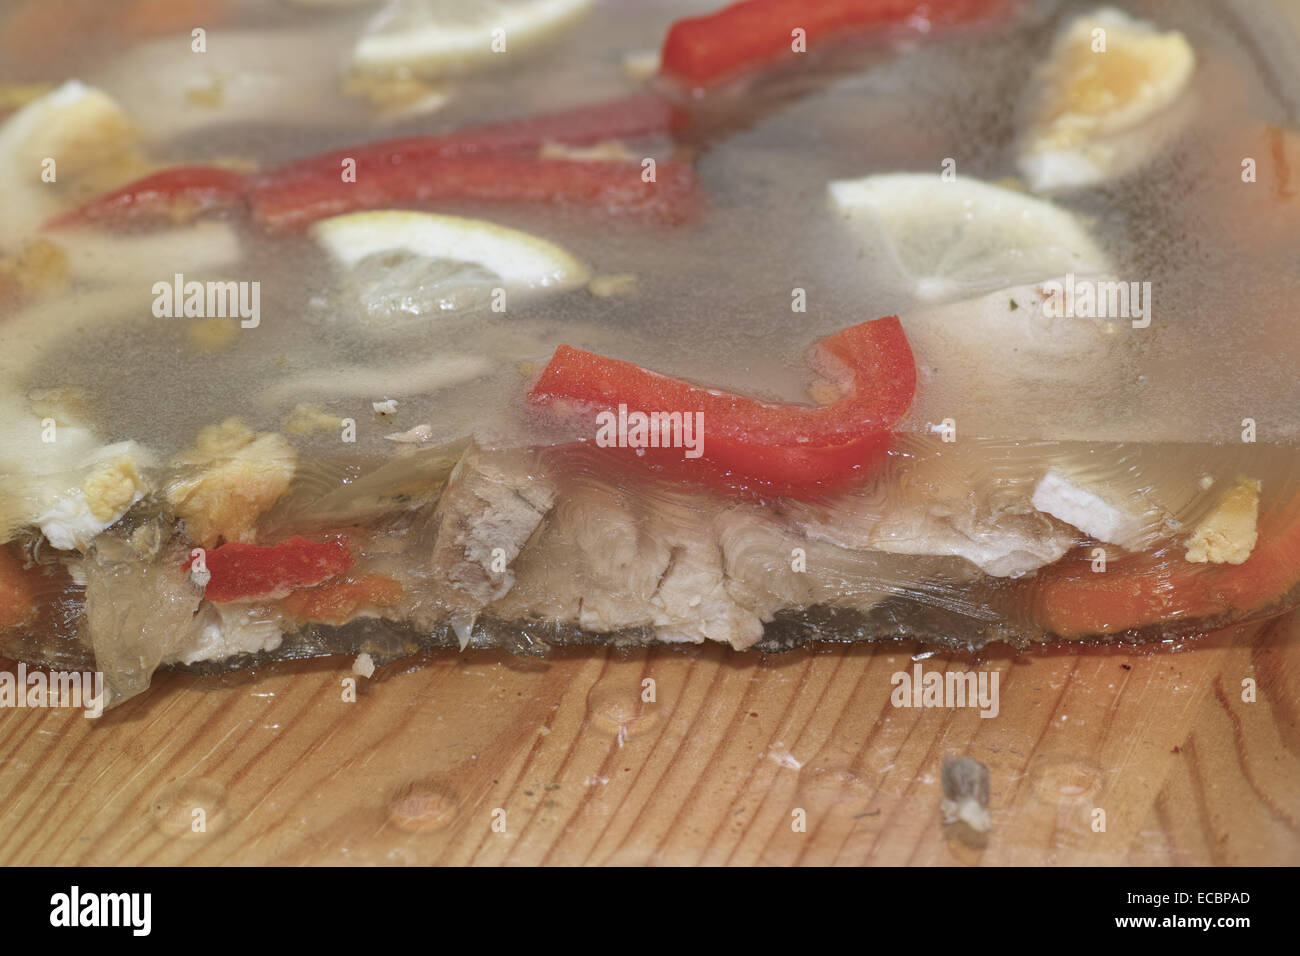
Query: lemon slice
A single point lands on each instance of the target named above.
(417, 262)
(965, 237)
(1111, 95)
(441, 36)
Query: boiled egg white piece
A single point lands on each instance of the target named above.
(1112, 93)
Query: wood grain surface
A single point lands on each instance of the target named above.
(576, 768)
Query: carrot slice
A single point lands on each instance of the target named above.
(337, 602)
(1272, 569)
(18, 591)
(1070, 600)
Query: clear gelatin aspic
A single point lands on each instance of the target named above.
(949, 543)
(946, 326)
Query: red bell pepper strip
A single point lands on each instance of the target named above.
(617, 187)
(780, 447)
(255, 571)
(179, 193)
(430, 168)
(1070, 600)
(703, 50)
(632, 117)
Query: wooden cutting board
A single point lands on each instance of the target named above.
(486, 759)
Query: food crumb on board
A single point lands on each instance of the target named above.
(364, 665)
(966, 792)
(783, 758)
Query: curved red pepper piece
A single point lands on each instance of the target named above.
(781, 447)
(703, 50)
(257, 571)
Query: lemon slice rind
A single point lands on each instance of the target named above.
(520, 259)
(438, 37)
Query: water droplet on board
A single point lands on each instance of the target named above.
(617, 708)
(1055, 778)
(190, 806)
(422, 807)
(836, 787)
